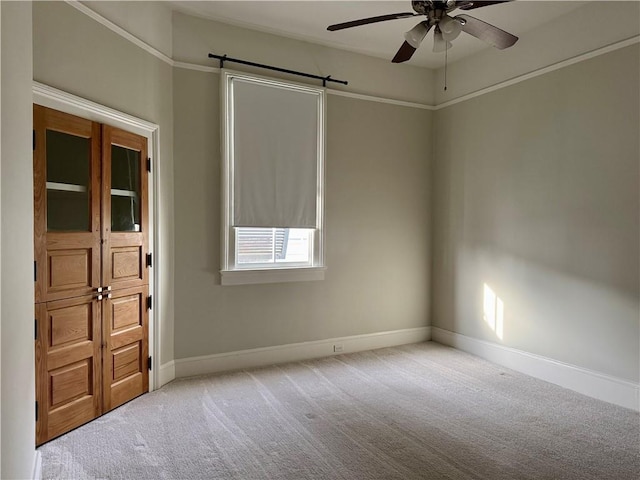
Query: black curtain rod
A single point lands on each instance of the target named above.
(224, 58)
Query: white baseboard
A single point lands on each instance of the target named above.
(258, 357)
(37, 466)
(588, 382)
(167, 373)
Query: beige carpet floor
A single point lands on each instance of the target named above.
(420, 411)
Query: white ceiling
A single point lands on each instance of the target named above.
(308, 20)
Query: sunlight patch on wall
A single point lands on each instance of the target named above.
(493, 309)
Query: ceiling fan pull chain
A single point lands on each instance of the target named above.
(446, 51)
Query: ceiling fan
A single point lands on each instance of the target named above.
(446, 29)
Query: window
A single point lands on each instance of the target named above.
(273, 180)
(269, 247)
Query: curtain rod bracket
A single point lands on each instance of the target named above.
(225, 58)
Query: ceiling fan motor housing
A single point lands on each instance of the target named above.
(434, 10)
(421, 7)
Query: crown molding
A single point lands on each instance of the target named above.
(372, 98)
(196, 67)
(541, 71)
(120, 31)
(463, 98)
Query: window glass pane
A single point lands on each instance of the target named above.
(68, 158)
(296, 246)
(67, 211)
(269, 246)
(68, 165)
(125, 189)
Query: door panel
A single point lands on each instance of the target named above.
(68, 365)
(69, 269)
(125, 355)
(69, 266)
(71, 383)
(125, 263)
(66, 205)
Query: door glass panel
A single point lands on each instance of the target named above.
(68, 161)
(125, 189)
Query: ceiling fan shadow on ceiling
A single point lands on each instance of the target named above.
(446, 28)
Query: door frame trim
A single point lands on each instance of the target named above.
(68, 103)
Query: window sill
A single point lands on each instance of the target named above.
(271, 275)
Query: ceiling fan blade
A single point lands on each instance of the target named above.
(486, 32)
(404, 53)
(413, 39)
(473, 5)
(366, 21)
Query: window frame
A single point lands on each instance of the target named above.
(231, 274)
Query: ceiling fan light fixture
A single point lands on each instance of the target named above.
(450, 28)
(439, 43)
(415, 36)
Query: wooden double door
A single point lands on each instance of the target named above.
(91, 269)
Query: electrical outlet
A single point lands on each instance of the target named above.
(338, 348)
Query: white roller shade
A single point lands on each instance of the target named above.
(274, 155)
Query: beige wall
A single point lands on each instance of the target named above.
(18, 375)
(565, 37)
(194, 38)
(536, 194)
(74, 53)
(149, 21)
(377, 209)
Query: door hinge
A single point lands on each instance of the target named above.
(35, 271)
(149, 362)
(36, 411)
(34, 140)
(149, 260)
(149, 164)
(35, 328)
(149, 302)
